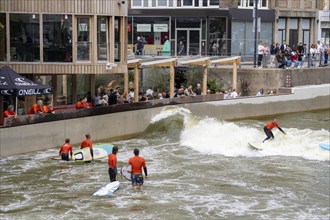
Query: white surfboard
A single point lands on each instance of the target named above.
(126, 172)
(108, 189)
(256, 145)
(82, 155)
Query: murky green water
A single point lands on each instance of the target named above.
(199, 168)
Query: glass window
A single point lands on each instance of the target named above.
(117, 38)
(64, 89)
(24, 37)
(3, 44)
(162, 2)
(84, 87)
(305, 23)
(57, 38)
(137, 3)
(217, 35)
(187, 2)
(214, 2)
(294, 23)
(281, 23)
(102, 49)
(83, 44)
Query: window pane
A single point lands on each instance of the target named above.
(214, 2)
(117, 38)
(83, 44)
(102, 39)
(57, 32)
(162, 2)
(64, 90)
(137, 2)
(3, 44)
(24, 37)
(84, 87)
(187, 2)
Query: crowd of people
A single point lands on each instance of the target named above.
(285, 57)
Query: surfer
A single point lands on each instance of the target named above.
(268, 129)
(65, 150)
(137, 163)
(112, 161)
(87, 143)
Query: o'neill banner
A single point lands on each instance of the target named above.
(12, 83)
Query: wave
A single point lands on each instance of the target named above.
(210, 136)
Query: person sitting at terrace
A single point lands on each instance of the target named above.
(8, 113)
(49, 108)
(37, 108)
(82, 103)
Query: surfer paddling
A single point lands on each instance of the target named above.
(268, 129)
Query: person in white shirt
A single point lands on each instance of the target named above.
(260, 53)
(233, 94)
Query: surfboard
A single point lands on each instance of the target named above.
(101, 150)
(256, 145)
(126, 172)
(56, 158)
(325, 146)
(108, 189)
(82, 155)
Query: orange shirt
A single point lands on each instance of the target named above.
(66, 148)
(86, 143)
(35, 109)
(112, 160)
(48, 109)
(271, 125)
(85, 105)
(137, 163)
(79, 105)
(6, 114)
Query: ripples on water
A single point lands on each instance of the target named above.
(198, 169)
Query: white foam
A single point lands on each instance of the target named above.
(168, 112)
(210, 136)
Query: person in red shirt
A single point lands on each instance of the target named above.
(8, 113)
(137, 163)
(37, 108)
(268, 129)
(112, 161)
(65, 150)
(79, 104)
(87, 143)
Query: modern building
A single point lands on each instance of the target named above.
(229, 24)
(324, 23)
(63, 43)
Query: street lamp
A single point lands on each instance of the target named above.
(255, 17)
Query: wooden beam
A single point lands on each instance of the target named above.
(234, 76)
(161, 63)
(172, 79)
(199, 61)
(227, 61)
(136, 84)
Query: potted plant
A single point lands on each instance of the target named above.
(245, 87)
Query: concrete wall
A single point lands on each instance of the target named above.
(271, 78)
(39, 136)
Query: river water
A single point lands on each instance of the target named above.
(199, 168)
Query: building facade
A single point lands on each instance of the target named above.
(227, 24)
(65, 44)
(324, 23)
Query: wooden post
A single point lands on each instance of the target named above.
(172, 77)
(136, 84)
(126, 82)
(235, 74)
(205, 70)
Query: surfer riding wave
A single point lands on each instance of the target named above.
(268, 129)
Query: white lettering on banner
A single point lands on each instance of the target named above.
(160, 28)
(3, 83)
(24, 92)
(22, 82)
(6, 92)
(143, 27)
(48, 90)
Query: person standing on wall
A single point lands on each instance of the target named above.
(137, 163)
(65, 150)
(87, 143)
(112, 161)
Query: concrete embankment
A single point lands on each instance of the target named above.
(40, 136)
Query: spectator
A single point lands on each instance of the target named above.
(261, 92)
(131, 95)
(198, 90)
(326, 53)
(8, 113)
(49, 108)
(265, 56)
(283, 47)
(37, 108)
(139, 46)
(233, 94)
(312, 56)
(260, 53)
(294, 59)
(112, 97)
